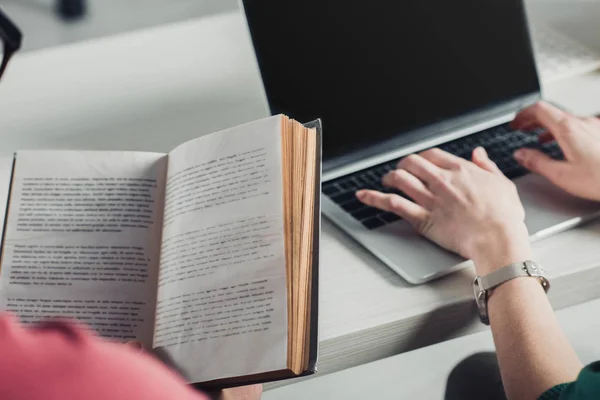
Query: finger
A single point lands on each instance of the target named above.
(529, 126)
(442, 158)
(482, 160)
(594, 121)
(541, 114)
(409, 184)
(558, 123)
(538, 162)
(412, 212)
(546, 137)
(422, 168)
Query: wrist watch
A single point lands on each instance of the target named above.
(483, 285)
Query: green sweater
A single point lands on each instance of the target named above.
(586, 387)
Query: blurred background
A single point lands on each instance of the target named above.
(48, 23)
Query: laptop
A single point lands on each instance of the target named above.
(391, 78)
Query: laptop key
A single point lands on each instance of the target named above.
(365, 213)
(331, 189)
(372, 223)
(374, 177)
(378, 187)
(359, 183)
(345, 184)
(352, 206)
(389, 217)
(351, 184)
(344, 197)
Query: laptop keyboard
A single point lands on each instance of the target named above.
(500, 142)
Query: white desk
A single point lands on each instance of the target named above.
(578, 19)
(154, 89)
(423, 373)
(149, 90)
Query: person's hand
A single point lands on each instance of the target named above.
(579, 139)
(470, 208)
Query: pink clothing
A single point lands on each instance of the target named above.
(63, 361)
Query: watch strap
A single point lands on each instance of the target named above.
(484, 285)
(504, 274)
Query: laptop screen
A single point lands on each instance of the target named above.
(375, 69)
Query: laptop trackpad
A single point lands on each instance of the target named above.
(547, 206)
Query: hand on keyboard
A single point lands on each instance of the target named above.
(579, 139)
(499, 141)
(461, 205)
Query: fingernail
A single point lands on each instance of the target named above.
(481, 151)
(519, 155)
(361, 194)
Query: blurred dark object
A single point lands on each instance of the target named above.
(476, 377)
(10, 37)
(71, 9)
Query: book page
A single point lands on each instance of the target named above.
(222, 299)
(82, 240)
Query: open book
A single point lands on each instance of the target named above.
(208, 254)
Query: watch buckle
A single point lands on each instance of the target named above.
(481, 300)
(478, 286)
(533, 269)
